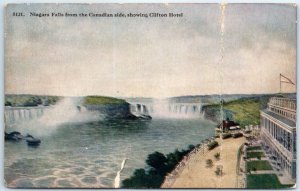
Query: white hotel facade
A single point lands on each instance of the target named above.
(278, 134)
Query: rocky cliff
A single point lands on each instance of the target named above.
(119, 110)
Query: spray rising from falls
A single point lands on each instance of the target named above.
(118, 177)
(166, 109)
(65, 111)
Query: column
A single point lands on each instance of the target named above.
(272, 128)
(284, 139)
(289, 141)
(276, 131)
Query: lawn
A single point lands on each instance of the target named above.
(99, 100)
(246, 111)
(255, 154)
(264, 181)
(253, 148)
(243, 111)
(258, 165)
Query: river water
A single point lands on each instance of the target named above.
(90, 154)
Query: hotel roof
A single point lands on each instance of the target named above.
(280, 118)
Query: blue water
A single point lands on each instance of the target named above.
(89, 155)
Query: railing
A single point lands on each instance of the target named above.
(284, 103)
(287, 113)
(240, 181)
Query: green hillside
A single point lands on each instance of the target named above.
(24, 100)
(100, 100)
(245, 111)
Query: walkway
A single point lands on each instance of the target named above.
(196, 175)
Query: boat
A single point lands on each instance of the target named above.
(143, 116)
(33, 142)
(13, 136)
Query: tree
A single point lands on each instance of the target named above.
(209, 163)
(217, 156)
(191, 147)
(171, 161)
(157, 161)
(8, 103)
(31, 102)
(219, 171)
(137, 180)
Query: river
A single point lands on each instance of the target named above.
(90, 154)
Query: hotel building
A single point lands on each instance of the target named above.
(278, 134)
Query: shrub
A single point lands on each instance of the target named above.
(143, 179)
(236, 135)
(226, 135)
(248, 131)
(217, 156)
(218, 171)
(8, 103)
(218, 130)
(212, 145)
(158, 161)
(191, 147)
(158, 166)
(209, 163)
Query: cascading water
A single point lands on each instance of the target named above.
(19, 114)
(166, 109)
(66, 110)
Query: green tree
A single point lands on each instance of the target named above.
(157, 161)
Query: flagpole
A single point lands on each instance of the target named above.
(286, 80)
(280, 83)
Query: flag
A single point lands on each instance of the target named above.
(285, 79)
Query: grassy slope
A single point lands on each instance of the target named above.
(99, 100)
(258, 165)
(264, 181)
(245, 111)
(255, 154)
(252, 148)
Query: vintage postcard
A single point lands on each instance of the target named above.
(150, 96)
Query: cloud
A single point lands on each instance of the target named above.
(150, 57)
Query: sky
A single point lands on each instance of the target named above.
(150, 57)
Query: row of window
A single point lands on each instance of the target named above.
(286, 139)
(283, 103)
(286, 114)
(284, 163)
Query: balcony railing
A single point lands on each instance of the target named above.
(284, 103)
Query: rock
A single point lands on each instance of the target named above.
(13, 136)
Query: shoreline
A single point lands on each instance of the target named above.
(195, 174)
(171, 177)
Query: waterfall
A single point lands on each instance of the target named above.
(13, 115)
(44, 120)
(165, 109)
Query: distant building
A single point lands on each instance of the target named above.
(226, 124)
(278, 134)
